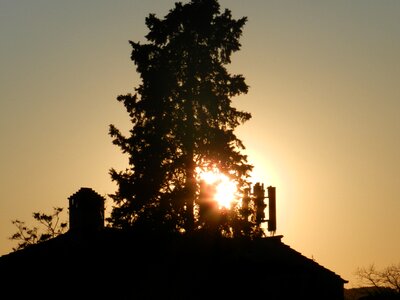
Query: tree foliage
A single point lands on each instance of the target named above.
(182, 120)
(50, 227)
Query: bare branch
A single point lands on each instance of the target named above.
(51, 227)
(383, 281)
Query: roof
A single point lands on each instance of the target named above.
(87, 194)
(110, 257)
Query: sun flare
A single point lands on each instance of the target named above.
(225, 189)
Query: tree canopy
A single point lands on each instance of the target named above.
(183, 122)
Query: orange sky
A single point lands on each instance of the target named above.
(324, 96)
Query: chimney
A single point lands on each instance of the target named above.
(86, 211)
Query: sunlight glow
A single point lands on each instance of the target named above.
(226, 189)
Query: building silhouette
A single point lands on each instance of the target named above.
(91, 261)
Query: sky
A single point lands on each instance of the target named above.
(324, 94)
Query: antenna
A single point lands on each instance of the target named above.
(258, 198)
(272, 209)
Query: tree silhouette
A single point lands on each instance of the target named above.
(51, 227)
(182, 122)
(380, 284)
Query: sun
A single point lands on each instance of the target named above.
(225, 189)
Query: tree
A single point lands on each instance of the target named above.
(51, 227)
(182, 121)
(380, 284)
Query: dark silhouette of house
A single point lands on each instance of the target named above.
(94, 262)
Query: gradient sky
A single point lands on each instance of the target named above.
(324, 96)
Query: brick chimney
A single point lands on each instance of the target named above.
(86, 211)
